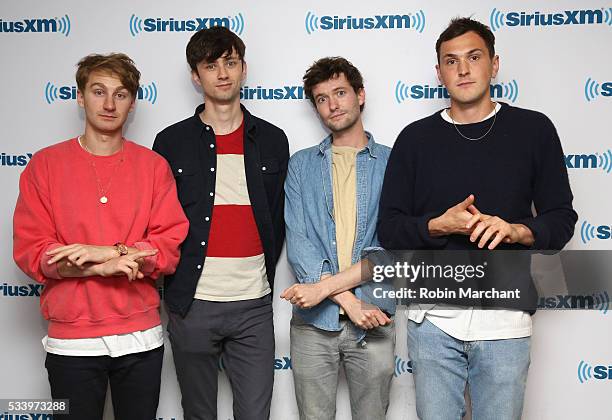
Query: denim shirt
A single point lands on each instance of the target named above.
(311, 229)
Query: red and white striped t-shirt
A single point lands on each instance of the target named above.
(235, 266)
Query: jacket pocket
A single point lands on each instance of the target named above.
(185, 175)
(269, 166)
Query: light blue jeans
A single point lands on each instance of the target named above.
(316, 357)
(495, 370)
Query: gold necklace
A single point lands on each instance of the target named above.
(102, 191)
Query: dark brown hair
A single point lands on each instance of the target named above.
(114, 63)
(209, 44)
(329, 68)
(459, 26)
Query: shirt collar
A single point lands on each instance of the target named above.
(371, 146)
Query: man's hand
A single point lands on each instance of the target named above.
(124, 265)
(497, 230)
(455, 220)
(79, 254)
(364, 315)
(305, 295)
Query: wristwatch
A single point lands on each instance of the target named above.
(122, 249)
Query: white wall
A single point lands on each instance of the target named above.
(542, 67)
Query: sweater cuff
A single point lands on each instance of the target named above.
(541, 234)
(149, 262)
(423, 228)
(49, 270)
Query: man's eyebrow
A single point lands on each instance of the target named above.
(468, 53)
(102, 85)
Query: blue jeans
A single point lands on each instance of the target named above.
(495, 370)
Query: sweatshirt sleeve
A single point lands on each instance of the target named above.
(398, 226)
(553, 225)
(34, 230)
(167, 227)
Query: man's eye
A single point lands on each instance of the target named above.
(98, 92)
(474, 57)
(320, 100)
(231, 63)
(211, 67)
(451, 62)
(341, 93)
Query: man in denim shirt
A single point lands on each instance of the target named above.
(332, 192)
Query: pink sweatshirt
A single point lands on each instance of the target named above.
(59, 204)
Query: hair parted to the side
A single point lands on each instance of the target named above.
(461, 25)
(117, 64)
(330, 67)
(209, 44)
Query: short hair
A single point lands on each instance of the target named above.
(461, 25)
(117, 64)
(210, 44)
(330, 67)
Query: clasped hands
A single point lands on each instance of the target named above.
(92, 260)
(465, 219)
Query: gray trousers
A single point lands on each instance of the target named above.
(243, 333)
(316, 356)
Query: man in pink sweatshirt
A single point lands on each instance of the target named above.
(97, 221)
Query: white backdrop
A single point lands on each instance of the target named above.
(563, 70)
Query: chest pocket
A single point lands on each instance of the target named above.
(269, 166)
(186, 177)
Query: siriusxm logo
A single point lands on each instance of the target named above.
(402, 366)
(138, 25)
(590, 232)
(592, 89)
(599, 301)
(414, 21)
(403, 91)
(30, 416)
(587, 372)
(15, 290)
(601, 16)
(283, 363)
(591, 161)
(15, 160)
(58, 25)
(279, 93)
(53, 93)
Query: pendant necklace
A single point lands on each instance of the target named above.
(102, 192)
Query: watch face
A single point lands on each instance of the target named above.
(122, 249)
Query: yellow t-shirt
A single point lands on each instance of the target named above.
(344, 181)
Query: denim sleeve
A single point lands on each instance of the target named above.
(306, 260)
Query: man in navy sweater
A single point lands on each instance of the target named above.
(466, 178)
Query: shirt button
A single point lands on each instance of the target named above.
(212, 169)
(334, 242)
(212, 146)
(203, 243)
(207, 218)
(212, 194)
(263, 168)
(180, 171)
(199, 266)
(207, 128)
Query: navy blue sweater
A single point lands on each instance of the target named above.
(432, 168)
